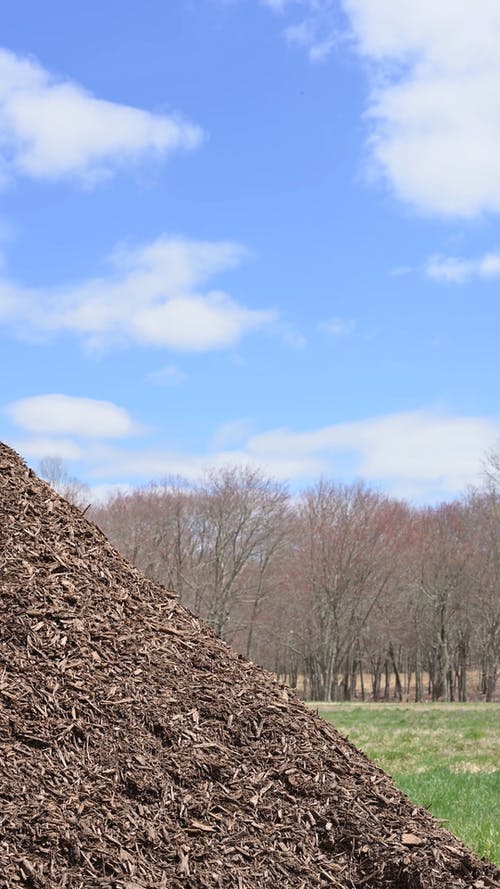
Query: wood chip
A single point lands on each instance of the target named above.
(409, 839)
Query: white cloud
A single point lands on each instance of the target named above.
(424, 455)
(196, 323)
(155, 463)
(233, 433)
(54, 415)
(317, 31)
(39, 447)
(51, 128)
(454, 270)
(99, 494)
(437, 454)
(435, 107)
(312, 36)
(434, 112)
(154, 294)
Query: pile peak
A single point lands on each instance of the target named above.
(138, 751)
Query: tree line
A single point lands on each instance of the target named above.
(341, 590)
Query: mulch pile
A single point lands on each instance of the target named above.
(138, 751)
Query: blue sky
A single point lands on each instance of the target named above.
(252, 231)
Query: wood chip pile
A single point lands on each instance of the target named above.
(138, 751)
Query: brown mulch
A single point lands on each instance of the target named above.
(138, 751)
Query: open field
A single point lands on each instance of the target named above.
(443, 756)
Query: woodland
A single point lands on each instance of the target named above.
(342, 591)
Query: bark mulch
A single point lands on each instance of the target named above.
(138, 751)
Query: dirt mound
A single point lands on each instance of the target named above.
(138, 751)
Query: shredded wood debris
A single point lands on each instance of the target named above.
(138, 751)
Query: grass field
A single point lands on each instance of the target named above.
(442, 756)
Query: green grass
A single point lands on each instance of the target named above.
(442, 756)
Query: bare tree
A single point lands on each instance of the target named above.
(442, 592)
(156, 528)
(335, 583)
(484, 601)
(242, 525)
(54, 471)
(215, 543)
(344, 567)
